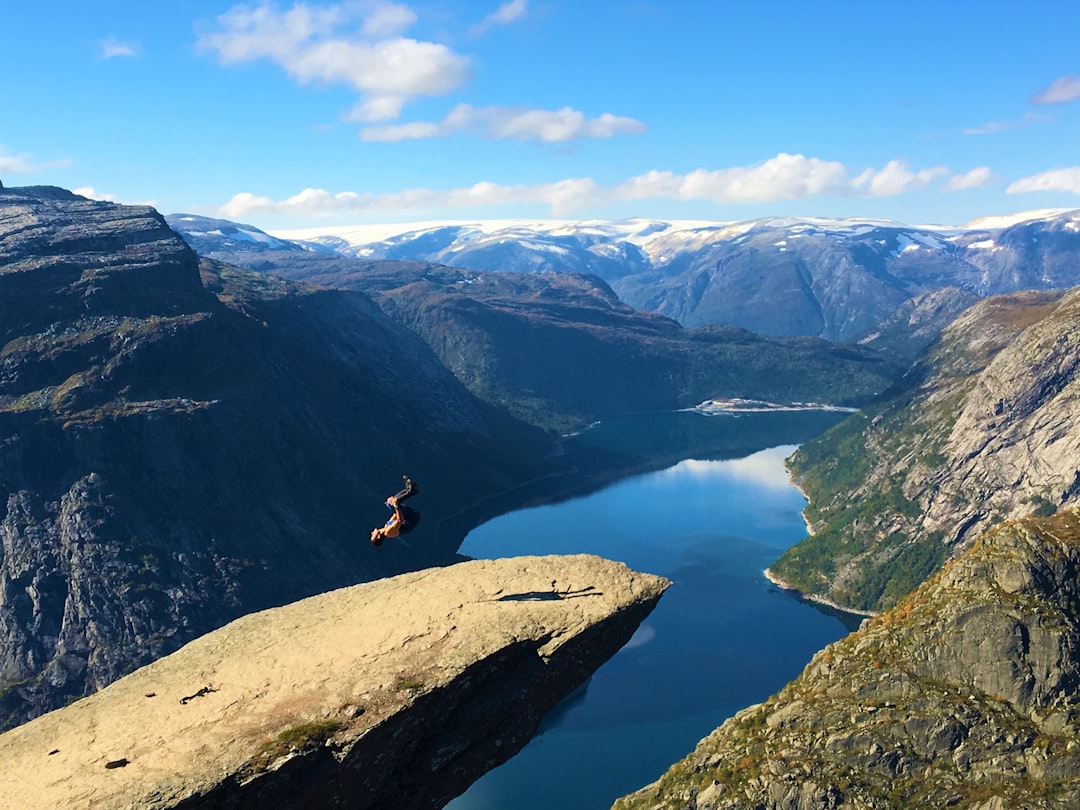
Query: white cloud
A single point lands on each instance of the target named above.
(503, 15)
(1067, 179)
(991, 127)
(550, 126)
(388, 19)
(317, 44)
(91, 193)
(784, 177)
(896, 179)
(976, 178)
(563, 197)
(112, 48)
(1060, 91)
(25, 163)
(402, 132)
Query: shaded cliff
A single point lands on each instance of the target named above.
(392, 694)
(984, 428)
(179, 447)
(965, 695)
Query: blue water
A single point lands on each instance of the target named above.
(721, 638)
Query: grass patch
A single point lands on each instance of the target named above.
(299, 739)
(408, 684)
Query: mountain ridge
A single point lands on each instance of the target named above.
(982, 429)
(831, 278)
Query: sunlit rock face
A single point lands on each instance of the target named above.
(392, 694)
(984, 428)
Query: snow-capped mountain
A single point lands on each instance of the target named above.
(833, 278)
(206, 234)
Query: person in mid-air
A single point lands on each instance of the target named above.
(403, 519)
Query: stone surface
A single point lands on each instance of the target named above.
(391, 694)
(965, 695)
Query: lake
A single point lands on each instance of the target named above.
(722, 637)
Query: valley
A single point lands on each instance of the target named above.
(193, 435)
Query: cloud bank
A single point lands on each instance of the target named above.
(1067, 179)
(550, 126)
(1060, 91)
(784, 177)
(25, 163)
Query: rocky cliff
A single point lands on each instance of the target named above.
(181, 445)
(392, 694)
(965, 695)
(985, 428)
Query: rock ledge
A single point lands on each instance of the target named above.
(396, 693)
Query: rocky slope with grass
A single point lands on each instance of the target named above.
(985, 428)
(391, 694)
(964, 695)
(183, 444)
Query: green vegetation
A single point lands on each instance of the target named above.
(884, 584)
(411, 685)
(299, 739)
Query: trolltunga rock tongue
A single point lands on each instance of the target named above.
(396, 693)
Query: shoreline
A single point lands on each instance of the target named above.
(821, 600)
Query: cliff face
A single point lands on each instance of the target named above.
(181, 445)
(392, 694)
(985, 428)
(965, 695)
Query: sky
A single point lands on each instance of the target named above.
(291, 115)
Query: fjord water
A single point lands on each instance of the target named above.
(721, 639)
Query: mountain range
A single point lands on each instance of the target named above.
(560, 349)
(831, 278)
(949, 509)
(184, 441)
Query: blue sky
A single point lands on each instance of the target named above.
(283, 114)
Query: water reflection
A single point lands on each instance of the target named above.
(721, 638)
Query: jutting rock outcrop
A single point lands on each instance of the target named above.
(391, 694)
(965, 695)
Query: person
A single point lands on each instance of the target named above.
(403, 519)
